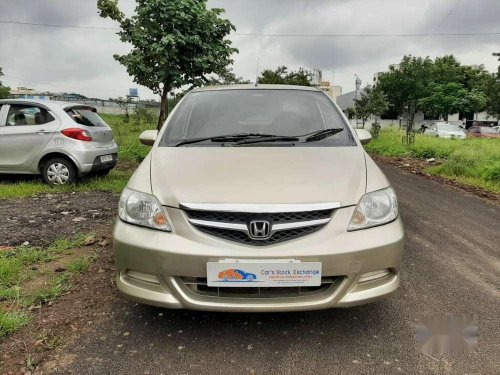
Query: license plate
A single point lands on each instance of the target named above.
(106, 158)
(259, 273)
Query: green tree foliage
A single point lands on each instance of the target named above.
(372, 101)
(174, 43)
(406, 84)
(281, 76)
(362, 105)
(4, 91)
(439, 88)
(475, 101)
(493, 93)
(443, 99)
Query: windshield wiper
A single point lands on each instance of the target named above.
(309, 137)
(269, 138)
(322, 134)
(248, 138)
(223, 138)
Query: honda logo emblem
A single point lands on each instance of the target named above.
(259, 229)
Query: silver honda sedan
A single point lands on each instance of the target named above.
(61, 141)
(257, 198)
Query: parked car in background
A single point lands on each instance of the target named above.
(445, 130)
(497, 129)
(483, 132)
(279, 192)
(61, 141)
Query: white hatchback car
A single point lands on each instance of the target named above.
(59, 140)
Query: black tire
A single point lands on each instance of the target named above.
(101, 173)
(58, 172)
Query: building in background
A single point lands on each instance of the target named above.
(27, 93)
(317, 77)
(331, 90)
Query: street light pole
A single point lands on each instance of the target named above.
(357, 83)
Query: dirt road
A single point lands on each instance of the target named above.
(451, 267)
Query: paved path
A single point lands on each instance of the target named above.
(451, 267)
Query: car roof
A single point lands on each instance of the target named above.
(47, 103)
(255, 87)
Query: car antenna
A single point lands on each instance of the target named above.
(257, 72)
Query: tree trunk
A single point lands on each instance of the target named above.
(411, 116)
(163, 107)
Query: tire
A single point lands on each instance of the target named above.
(58, 172)
(250, 278)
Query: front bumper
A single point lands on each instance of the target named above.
(152, 266)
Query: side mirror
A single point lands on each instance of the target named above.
(364, 136)
(148, 137)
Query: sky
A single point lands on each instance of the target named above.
(80, 60)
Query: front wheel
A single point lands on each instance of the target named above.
(59, 172)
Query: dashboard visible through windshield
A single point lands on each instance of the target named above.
(275, 117)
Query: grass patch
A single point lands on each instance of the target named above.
(78, 266)
(114, 182)
(11, 321)
(10, 271)
(57, 285)
(61, 245)
(127, 134)
(472, 161)
(34, 276)
(12, 261)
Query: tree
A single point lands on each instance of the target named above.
(444, 99)
(475, 101)
(405, 84)
(493, 93)
(362, 105)
(174, 43)
(4, 91)
(281, 76)
(378, 102)
(447, 69)
(372, 101)
(498, 55)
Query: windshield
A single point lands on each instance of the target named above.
(287, 113)
(86, 116)
(449, 128)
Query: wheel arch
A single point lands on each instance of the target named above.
(54, 155)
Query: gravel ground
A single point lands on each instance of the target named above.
(43, 219)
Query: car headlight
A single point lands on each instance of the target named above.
(143, 209)
(375, 208)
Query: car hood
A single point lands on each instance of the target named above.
(252, 175)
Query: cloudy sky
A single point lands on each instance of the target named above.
(80, 60)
